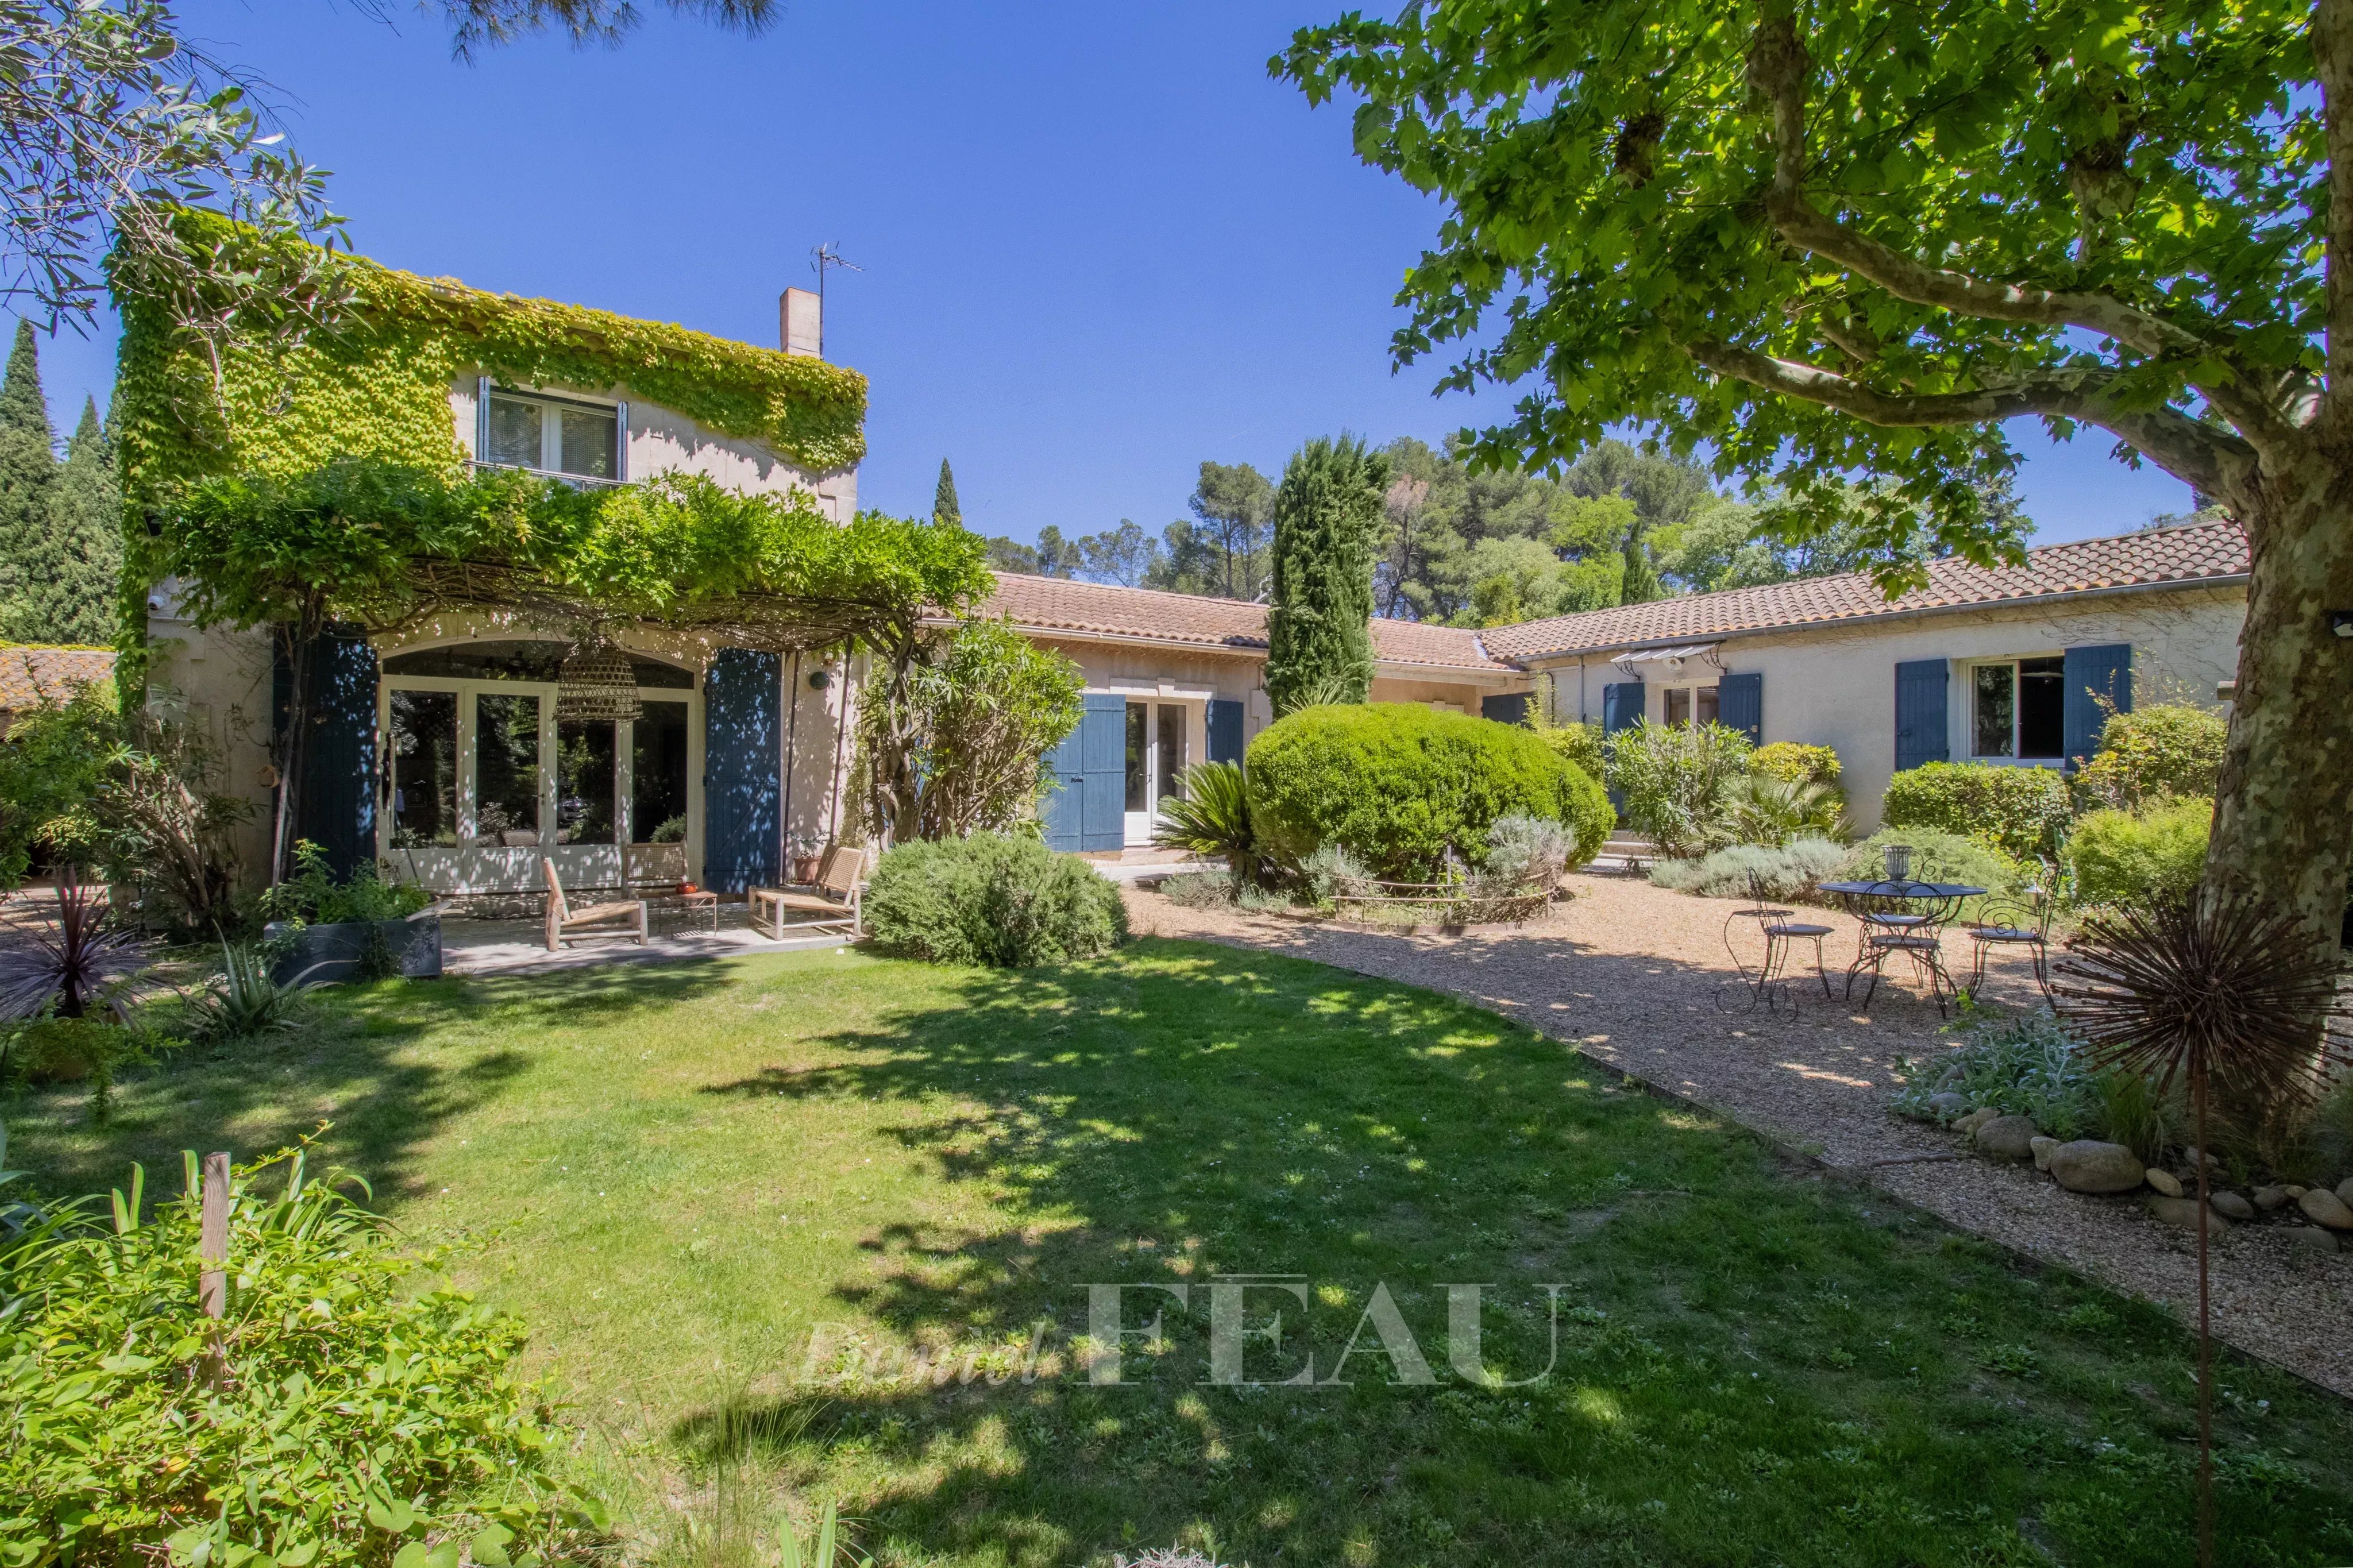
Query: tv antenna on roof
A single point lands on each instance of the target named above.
(823, 258)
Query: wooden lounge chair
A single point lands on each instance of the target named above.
(623, 917)
(832, 898)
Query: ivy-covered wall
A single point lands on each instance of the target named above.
(378, 386)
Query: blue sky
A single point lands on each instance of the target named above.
(1099, 245)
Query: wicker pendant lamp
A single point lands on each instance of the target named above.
(597, 683)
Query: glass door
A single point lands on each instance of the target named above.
(1156, 764)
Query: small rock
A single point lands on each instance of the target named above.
(1952, 1076)
(2088, 1165)
(2294, 1191)
(1975, 1120)
(1949, 1103)
(2042, 1147)
(2327, 1208)
(2270, 1198)
(2165, 1182)
(2310, 1236)
(2008, 1137)
(2345, 1190)
(2184, 1212)
(2231, 1206)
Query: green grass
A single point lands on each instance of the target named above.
(679, 1173)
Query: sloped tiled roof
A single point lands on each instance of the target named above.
(2191, 554)
(1104, 609)
(32, 676)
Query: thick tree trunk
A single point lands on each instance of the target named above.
(2284, 819)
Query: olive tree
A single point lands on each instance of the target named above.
(1820, 236)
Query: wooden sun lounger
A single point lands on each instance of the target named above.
(624, 917)
(833, 899)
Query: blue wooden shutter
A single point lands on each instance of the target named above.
(337, 809)
(1102, 760)
(2103, 670)
(1060, 811)
(1740, 704)
(1505, 708)
(1621, 705)
(743, 771)
(1920, 730)
(1225, 729)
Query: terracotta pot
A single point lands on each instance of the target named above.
(805, 868)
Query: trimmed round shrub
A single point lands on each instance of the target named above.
(1937, 857)
(2156, 856)
(1794, 763)
(1398, 785)
(2171, 749)
(2021, 810)
(1000, 898)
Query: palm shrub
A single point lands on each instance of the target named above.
(1210, 814)
(2168, 749)
(358, 1412)
(1672, 780)
(1401, 785)
(996, 898)
(2154, 856)
(2023, 811)
(1758, 808)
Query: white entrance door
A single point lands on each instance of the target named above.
(1156, 760)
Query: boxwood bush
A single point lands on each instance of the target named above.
(1794, 763)
(1000, 898)
(2155, 857)
(1399, 784)
(2022, 810)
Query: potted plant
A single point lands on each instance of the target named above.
(363, 928)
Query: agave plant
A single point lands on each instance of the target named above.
(1210, 814)
(70, 966)
(244, 1000)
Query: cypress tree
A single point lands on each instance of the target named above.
(28, 471)
(1327, 524)
(1641, 584)
(944, 497)
(75, 564)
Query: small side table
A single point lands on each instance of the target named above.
(702, 898)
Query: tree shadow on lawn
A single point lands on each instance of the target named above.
(1752, 1365)
(388, 1064)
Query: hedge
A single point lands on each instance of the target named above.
(2168, 749)
(2155, 857)
(1000, 899)
(1399, 784)
(2023, 810)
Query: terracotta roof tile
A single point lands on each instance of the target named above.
(2191, 554)
(31, 676)
(1104, 609)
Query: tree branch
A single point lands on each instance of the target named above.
(2332, 48)
(2199, 455)
(1777, 66)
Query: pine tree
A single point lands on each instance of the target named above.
(944, 497)
(28, 471)
(1327, 527)
(76, 563)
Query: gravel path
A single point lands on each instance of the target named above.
(1630, 973)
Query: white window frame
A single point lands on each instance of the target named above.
(1694, 688)
(1968, 749)
(551, 431)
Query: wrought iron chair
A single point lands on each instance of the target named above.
(2022, 920)
(1769, 988)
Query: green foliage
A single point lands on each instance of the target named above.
(358, 1414)
(74, 560)
(53, 763)
(1615, 248)
(244, 1001)
(1756, 808)
(959, 746)
(2164, 749)
(945, 507)
(28, 476)
(1400, 785)
(1672, 781)
(313, 895)
(1795, 763)
(2154, 856)
(1327, 513)
(1577, 744)
(1787, 870)
(1210, 814)
(1937, 857)
(2023, 811)
(2027, 1065)
(1523, 848)
(996, 898)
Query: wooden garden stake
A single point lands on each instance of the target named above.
(212, 1288)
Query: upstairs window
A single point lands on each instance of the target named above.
(552, 436)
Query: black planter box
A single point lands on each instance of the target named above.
(318, 954)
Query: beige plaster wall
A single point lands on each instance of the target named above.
(1836, 686)
(218, 681)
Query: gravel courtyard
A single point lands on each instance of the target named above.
(1631, 973)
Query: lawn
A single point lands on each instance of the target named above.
(682, 1175)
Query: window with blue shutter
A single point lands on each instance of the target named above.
(1920, 696)
(743, 771)
(1740, 704)
(2099, 682)
(1225, 729)
(1621, 705)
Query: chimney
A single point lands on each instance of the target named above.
(799, 328)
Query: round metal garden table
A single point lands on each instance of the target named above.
(1903, 918)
